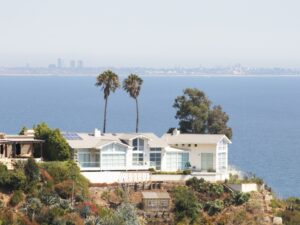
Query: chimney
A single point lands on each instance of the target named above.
(175, 132)
(29, 133)
(97, 133)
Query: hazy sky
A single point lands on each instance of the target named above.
(156, 33)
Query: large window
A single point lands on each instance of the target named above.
(222, 146)
(138, 144)
(138, 149)
(207, 161)
(113, 161)
(222, 161)
(155, 158)
(177, 160)
(88, 158)
(113, 156)
(138, 159)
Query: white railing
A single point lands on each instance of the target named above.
(89, 164)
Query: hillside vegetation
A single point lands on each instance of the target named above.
(56, 193)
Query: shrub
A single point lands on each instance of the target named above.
(213, 207)
(31, 207)
(120, 193)
(240, 198)
(16, 198)
(128, 214)
(186, 172)
(31, 171)
(11, 180)
(65, 189)
(151, 169)
(200, 185)
(186, 204)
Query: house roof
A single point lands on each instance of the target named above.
(86, 140)
(194, 138)
(155, 195)
(9, 139)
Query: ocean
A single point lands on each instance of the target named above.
(264, 114)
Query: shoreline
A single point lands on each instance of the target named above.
(154, 75)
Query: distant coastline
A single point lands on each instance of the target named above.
(154, 75)
(229, 71)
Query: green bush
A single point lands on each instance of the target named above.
(240, 198)
(200, 185)
(213, 207)
(31, 171)
(186, 172)
(186, 204)
(16, 198)
(11, 180)
(151, 170)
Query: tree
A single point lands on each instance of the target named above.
(132, 85)
(192, 111)
(109, 82)
(55, 146)
(23, 130)
(217, 122)
(196, 115)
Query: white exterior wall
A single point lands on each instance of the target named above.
(144, 176)
(244, 187)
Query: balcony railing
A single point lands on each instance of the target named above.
(89, 164)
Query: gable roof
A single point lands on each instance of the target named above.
(194, 138)
(87, 140)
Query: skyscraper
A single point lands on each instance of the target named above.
(72, 64)
(80, 64)
(59, 63)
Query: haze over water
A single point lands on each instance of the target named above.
(264, 114)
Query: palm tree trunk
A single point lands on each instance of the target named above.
(137, 116)
(104, 122)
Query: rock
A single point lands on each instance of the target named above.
(277, 220)
(267, 220)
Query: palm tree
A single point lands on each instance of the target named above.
(132, 85)
(109, 82)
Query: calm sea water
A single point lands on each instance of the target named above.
(264, 114)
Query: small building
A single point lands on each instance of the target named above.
(19, 147)
(156, 201)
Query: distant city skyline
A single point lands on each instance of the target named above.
(153, 33)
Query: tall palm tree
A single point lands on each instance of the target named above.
(109, 82)
(132, 85)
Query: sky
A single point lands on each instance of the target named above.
(151, 33)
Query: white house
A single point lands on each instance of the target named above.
(202, 153)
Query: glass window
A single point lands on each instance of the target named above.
(89, 159)
(222, 146)
(222, 161)
(177, 160)
(113, 160)
(138, 159)
(138, 144)
(155, 160)
(207, 161)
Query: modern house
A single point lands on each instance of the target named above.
(202, 153)
(18, 147)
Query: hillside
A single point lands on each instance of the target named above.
(56, 193)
